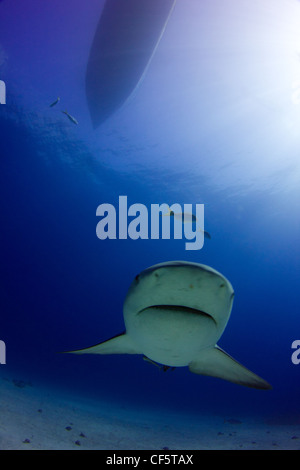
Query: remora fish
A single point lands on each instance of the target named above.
(54, 102)
(174, 314)
(72, 119)
(186, 217)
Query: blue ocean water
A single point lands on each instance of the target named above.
(215, 121)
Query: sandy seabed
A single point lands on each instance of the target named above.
(35, 418)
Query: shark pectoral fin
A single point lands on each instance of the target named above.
(217, 363)
(121, 344)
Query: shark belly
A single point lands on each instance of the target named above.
(172, 335)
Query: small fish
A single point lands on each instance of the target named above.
(187, 217)
(184, 216)
(72, 119)
(55, 102)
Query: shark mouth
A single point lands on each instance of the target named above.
(179, 308)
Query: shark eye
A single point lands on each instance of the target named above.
(137, 277)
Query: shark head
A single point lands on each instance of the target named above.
(174, 310)
(174, 314)
(189, 287)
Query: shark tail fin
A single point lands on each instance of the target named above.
(205, 233)
(217, 363)
(120, 344)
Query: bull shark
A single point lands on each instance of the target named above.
(174, 314)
